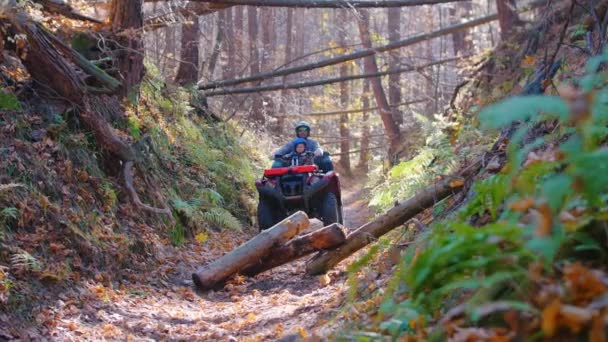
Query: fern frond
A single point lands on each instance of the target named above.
(9, 213)
(222, 217)
(25, 261)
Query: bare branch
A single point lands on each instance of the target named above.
(273, 87)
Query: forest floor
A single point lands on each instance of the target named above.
(282, 303)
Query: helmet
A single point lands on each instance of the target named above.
(302, 124)
(299, 141)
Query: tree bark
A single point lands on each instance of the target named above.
(325, 3)
(257, 114)
(187, 72)
(462, 43)
(344, 129)
(215, 273)
(239, 34)
(272, 87)
(217, 47)
(352, 56)
(324, 238)
(288, 53)
(390, 126)
(394, 217)
(394, 59)
(507, 16)
(64, 9)
(228, 68)
(364, 155)
(127, 20)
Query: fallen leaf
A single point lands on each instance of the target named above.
(456, 183)
(549, 318)
(522, 205)
(324, 280)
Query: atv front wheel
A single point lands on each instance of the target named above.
(266, 216)
(329, 209)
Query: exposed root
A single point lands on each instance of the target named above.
(128, 179)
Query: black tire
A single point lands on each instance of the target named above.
(328, 209)
(266, 216)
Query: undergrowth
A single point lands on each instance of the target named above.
(535, 266)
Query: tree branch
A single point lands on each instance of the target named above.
(272, 87)
(362, 110)
(325, 3)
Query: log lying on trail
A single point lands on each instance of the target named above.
(215, 273)
(324, 238)
(393, 218)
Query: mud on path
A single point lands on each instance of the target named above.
(280, 304)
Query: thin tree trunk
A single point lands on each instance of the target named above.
(344, 129)
(390, 126)
(364, 155)
(350, 56)
(288, 53)
(507, 16)
(239, 34)
(229, 47)
(462, 42)
(306, 84)
(187, 72)
(217, 47)
(326, 3)
(257, 114)
(394, 58)
(125, 16)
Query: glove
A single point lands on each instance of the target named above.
(318, 152)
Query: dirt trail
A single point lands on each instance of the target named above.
(280, 304)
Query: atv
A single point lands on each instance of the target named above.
(285, 190)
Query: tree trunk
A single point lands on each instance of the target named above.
(257, 114)
(390, 126)
(326, 3)
(126, 17)
(344, 129)
(215, 273)
(507, 16)
(229, 67)
(187, 72)
(324, 238)
(239, 34)
(217, 47)
(288, 56)
(394, 59)
(461, 40)
(364, 155)
(394, 217)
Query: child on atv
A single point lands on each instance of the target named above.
(321, 158)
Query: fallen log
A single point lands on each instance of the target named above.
(393, 218)
(217, 272)
(324, 238)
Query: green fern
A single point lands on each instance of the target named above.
(222, 217)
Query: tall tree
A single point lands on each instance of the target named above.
(461, 40)
(254, 61)
(239, 19)
(344, 129)
(127, 20)
(229, 47)
(394, 57)
(187, 72)
(390, 126)
(507, 16)
(364, 154)
(217, 46)
(288, 56)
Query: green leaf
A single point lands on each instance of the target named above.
(521, 108)
(556, 189)
(9, 101)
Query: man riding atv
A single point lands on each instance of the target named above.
(302, 129)
(294, 184)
